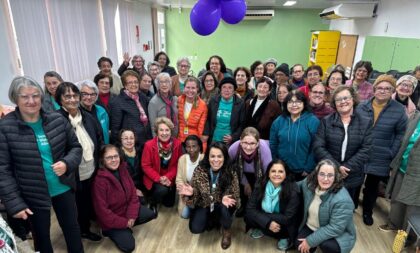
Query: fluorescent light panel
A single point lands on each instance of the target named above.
(289, 3)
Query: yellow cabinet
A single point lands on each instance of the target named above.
(323, 48)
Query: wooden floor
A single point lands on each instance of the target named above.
(169, 233)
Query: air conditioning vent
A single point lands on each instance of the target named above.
(350, 11)
(259, 14)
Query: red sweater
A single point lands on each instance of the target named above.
(114, 202)
(150, 162)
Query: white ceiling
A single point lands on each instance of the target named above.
(306, 4)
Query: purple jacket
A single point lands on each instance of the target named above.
(364, 90)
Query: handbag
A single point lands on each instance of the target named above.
(399, 241)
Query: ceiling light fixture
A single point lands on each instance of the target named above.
(289, 3)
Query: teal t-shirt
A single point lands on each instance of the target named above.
(413, 139)
(181, 86)
(55, 104)
(55, 187)
(223, 119)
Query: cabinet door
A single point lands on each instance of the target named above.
(407, 54)
(380, 51)
(347, 50)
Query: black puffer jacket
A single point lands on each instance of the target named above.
(237, 119)
(125, 114)
(22, 179)
(329, 140)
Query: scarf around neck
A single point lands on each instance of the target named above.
(129, 153)
(143, 115)
(170, 114)
(271, 200)
(256, 157)
(82, 136)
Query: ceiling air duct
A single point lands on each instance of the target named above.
(350, 11)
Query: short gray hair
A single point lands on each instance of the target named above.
(153, 63)
(135, 57)
(180, 60)
(90, 84)
(161, 75)
(20, 82)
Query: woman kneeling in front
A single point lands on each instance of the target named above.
(328, 212)
(273, 206)
(214, 193)
(115, 200)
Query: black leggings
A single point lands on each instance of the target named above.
(201, 218)
(328, 246)
(162, 194)
(370, 192)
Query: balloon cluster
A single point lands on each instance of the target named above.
(205, 15)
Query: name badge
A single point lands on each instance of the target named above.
(185, 130)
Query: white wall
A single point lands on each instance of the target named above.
(7, 71)
(395, 18)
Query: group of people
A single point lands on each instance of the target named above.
(284, 148)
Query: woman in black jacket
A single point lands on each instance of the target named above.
(39, 155)
(129, 110)
(273, 206)
(89, 134)
(344, 137)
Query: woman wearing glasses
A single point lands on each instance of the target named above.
(129, 110)
(89, 134)
(178, 81)
(345, 138)
(328, 212)
(251, 156)
(292, 134)
(405, 87)
(38, 166)
(360, 83)
(116, 202)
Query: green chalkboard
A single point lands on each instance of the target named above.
(388, 53)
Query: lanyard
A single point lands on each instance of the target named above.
(213, 179)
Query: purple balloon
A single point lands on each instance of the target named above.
(233, 11)
(205, 17)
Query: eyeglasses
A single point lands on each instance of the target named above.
(318, 92)
(26, 98)
(336, 79)
(164, 82)
(407, 85)
(316, 74)
(384, 89)
(297, 102)
(112, 157)
(249, 144)
(128, 139)
(343, 99)
(85, 94)
(327, 176)
(184, 66)
(132, 82)
(69, 97)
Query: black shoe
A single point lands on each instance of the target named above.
(367, 219)
(154, 208)
(91, 236)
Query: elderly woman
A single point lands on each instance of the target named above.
(261, 111)
(345, 138)
(129, 110)
(164, 103)
(178, 81)
(328, 212)
(209, 89)
(242, 78)
(192, 111)
(187, 164)
(405, 87)
(89, 134)
(388, 121)
(117, 207)
(273, 206)
(138, 64)
(154, 70)
(251, 155)
(38, 166)
(292, 135)
(404, 186)
(314, 76)
(225, 116)
(216, 65)
(335, 79)
(145, 86)
(282, 91)
(213, 194)
(317, 101)
(104, 84)
(51, 80)
(164, 62)
(105, 67)
(361, 73)
(257, 72)
(88, 96)
(159, 163)
(281, 77)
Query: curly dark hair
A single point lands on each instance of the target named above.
(244, 69)
(104, 59)
(343, 76)
(299, 96)
(195, 138)
(222, 63)
(162, 53)
(226, 171)
(63, 88)
(363, 64)
(286, 185)
(254, 65)
(312, 179)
